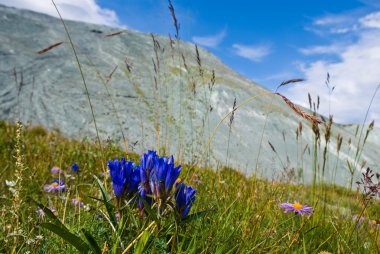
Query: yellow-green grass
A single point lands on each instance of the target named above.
(243, 215)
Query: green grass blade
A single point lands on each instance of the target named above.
(69, 237)
(91, 241)
(196, 216)
(108, 206)
(142, 243)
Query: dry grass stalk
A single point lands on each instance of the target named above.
(339, 142)
(199, 62)
(309, 97)
(184, 62)
(213, 79)
(299, 111)
(49, 47)
(111, 74)
(232, 114)
(128, 65)
(114, 34)
(290, 81)
(175, 21)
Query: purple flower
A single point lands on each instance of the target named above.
(75, 168)
(56, 170)
(125, 177)
(358, 218)
(42, 214)
(297, 208)
(56, 186)
(77, 202)
(184, 199)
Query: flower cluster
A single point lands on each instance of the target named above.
(153, 181)
(370, 182)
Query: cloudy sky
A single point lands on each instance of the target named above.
(265, 41)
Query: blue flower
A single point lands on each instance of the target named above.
(163, 177)
(184, 199)
(125, 177)
(146, 166)
(144, 195)
(75, 168)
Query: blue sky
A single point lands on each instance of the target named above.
(265, 41)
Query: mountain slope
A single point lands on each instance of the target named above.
(163, 95)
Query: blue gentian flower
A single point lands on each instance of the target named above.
(125, 177)
(146, 166)
(144, 195)
(163, 177)
(75, 168)
(184, 199)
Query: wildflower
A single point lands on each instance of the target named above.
(374, 223)
(144, 195)
(358, 218)
(370, 184)
(184, 199)
(75, 168)
(146, 166)
(10, 183)
(56, 170)
(297, 208)
(77, 202)
(163, 177)
(124, 176)
(56, 186)
(41, 212)
(87, 207)
(39, 237)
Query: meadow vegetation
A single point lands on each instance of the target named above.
(65, 195)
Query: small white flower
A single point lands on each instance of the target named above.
(30, 241)
(10, 183)
(87, 207)
(39, 237)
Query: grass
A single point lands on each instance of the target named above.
(243, 214)
(232, 213)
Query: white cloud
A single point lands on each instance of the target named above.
(355, 77)
(80, 10)
(372, 20)
(253, 53)
(211, 41)
(330, 20)
(315, 50)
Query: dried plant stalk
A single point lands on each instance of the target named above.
(49, 48)
(299, 111)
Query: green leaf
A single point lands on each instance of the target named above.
(69, 237)
(52, 216)
(108, 206)
(91, 241)
(196, 216)
(141, 244)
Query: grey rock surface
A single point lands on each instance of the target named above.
(160, 98)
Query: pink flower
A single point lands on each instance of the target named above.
(77, 202)
(56, 170)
